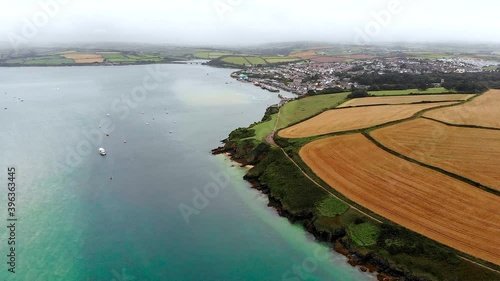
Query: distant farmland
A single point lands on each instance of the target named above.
(430, 203)
(429, 91)
(404, 99)
(347, 119)
(210, 55)
(471, 153)
(84, 58)
(244, 60)
(482, 111)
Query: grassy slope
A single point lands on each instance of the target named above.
(297, 111)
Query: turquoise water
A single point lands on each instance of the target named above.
(87, 217)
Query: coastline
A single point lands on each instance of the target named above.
(365, 263)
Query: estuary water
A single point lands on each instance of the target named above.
(158, 206)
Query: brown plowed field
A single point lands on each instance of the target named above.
(347, 119)
(84, 58)
(482, 111)
(404, 99)
(471, 153)
(423, 200)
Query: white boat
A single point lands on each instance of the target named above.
(102, 151)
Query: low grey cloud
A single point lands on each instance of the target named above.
(246, 22)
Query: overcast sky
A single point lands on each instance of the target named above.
(244, 22)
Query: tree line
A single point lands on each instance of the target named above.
(461, 82)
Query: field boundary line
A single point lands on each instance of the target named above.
(461, 125)
(437, 169)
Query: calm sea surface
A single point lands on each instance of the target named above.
(82, 216)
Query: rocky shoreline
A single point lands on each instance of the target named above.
(365, 262)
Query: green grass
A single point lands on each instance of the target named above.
(280, 59)
(331, 207)
(256, 60)
(17, 61)
(145, 58)
(491, 67)
(364, 234)
(411, 91)
(296, 111)
(123, 58)
(252, 60)
(263, 129)
(237, 60)
(430, 55)
(301, 109)
(48, 60)
(115, 57)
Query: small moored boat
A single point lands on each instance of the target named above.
(102, 151)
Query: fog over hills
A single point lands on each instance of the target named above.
(247, 22)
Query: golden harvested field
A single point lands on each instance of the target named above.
(482, 111)
(84, 58)
(428, 202)
(347, 119)
(471, 153)
(404, 99)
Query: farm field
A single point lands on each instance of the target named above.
(239, 60)
(125, 58)
(256, 60)
(469, 152)
(45, 60)
(116, 57)
(84, 58)
(409, 194)
(482, 111)
(301, 109)
(305, 55)
(411, 91)
(404, 99)
(348, 119)
(298, 110)
(49, 60)
(280, 59)
(210, 55)
(250, 60)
